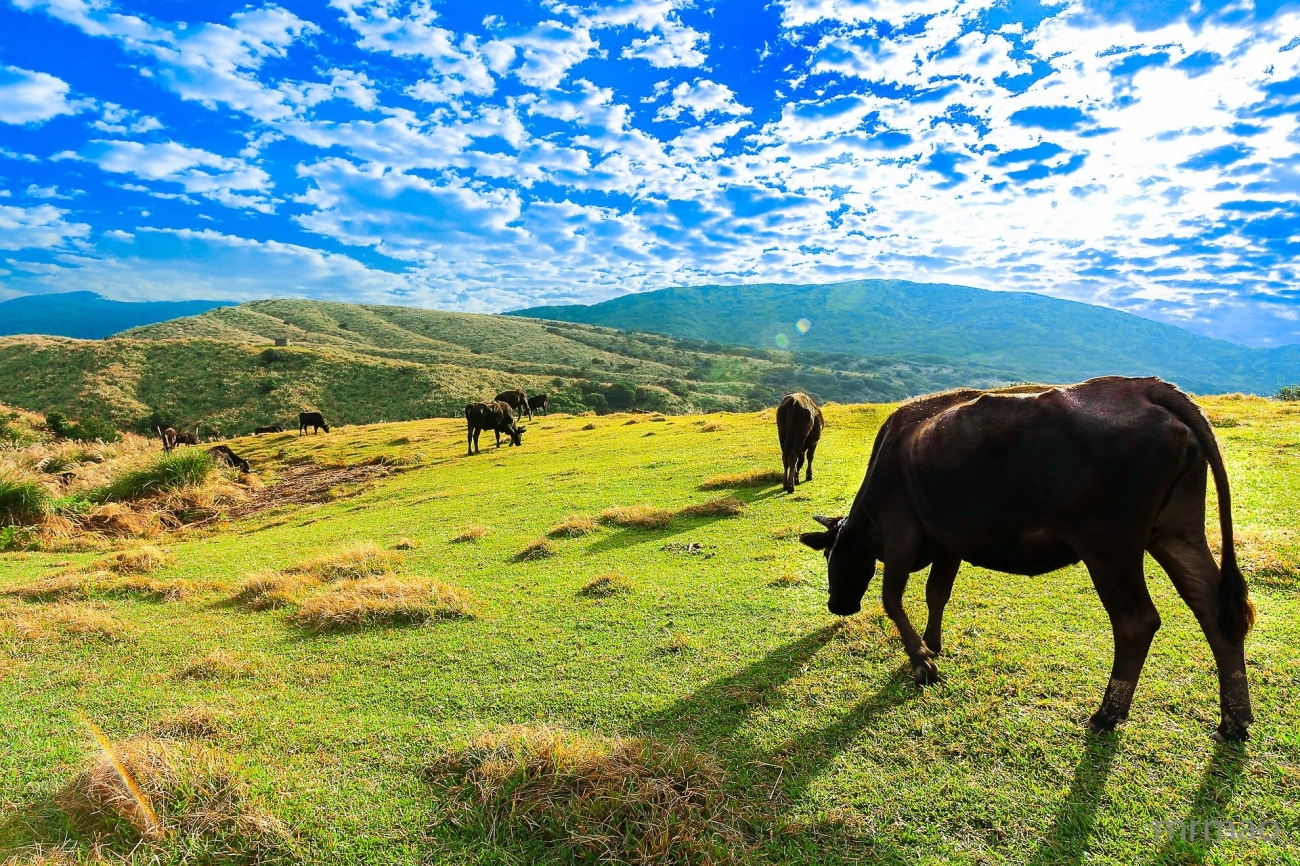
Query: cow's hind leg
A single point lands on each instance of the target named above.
(938, 589)
(812, 449)
(1121, 584)
(1196, 576)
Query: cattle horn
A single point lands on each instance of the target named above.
(828, 522)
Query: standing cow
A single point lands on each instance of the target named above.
(314, 420)
(1029, 480)
(496, 416)
(168, 436)
(799, 427)
(537, 403)
(518, 401)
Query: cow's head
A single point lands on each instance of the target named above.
(517, 435)
(851, 556)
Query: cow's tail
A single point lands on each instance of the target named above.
(1236, 611)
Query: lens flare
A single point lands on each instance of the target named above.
(803, 325)
(782, 341)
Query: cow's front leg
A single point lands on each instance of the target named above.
(924, 669)
(938, 589)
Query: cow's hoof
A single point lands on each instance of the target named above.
(925, 652)
(1102, 723)
(924, 671)
(1231, 731)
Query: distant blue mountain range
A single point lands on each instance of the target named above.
(1031, 337)
(89, 316)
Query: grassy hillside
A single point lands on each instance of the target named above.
(777, 733)
(1035, 338)
(361, 364)
(87, 316)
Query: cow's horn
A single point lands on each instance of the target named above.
(828, 522)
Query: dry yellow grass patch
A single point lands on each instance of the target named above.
(82, 585)
(405, 544)
(381, 601)
(1270, 556)
(142, 560)
(219, 664)
(711, 428)
(619, 800)
(43, 855)
(266, 590)
(678, 643)
(723, 506)
(190, 723)
(354, 561)
(78, 622)
(538, 548)
(637, 516)
(573, 526)
(606, 585)
(786, 580)
(589, 426)
(155, 791)
(752, 478)
(470, 534)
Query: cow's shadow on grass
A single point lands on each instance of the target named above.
(711, 717)
(1066, 841)
(1209, 803)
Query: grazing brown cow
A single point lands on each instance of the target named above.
(314, 420)
(168, 436)
(270, 428)
(518, 401)
(496, 416)
(1028, 480)
(537, 403)
(799, 427)
(223, 454)
(188, 438)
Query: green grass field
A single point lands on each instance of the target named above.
(826, 751)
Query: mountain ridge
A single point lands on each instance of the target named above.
(1034, 337)
(89, 316)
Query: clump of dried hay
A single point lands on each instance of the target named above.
(615, 800)
(606, 585)
(78, 622)
(385, 600)
(711, 428)
(637, 516)
(352, 562)
(142, 560)
(589, 426)
(723, 506)
(538, 548)
(185, 794)
(219, 664)
(752, 478)
(573, 526)
(405, 544)
(470, 534)
(267, 590)
(786, 580)
(190, 723)
(83, 585)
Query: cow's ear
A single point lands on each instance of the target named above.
(520, 429)
(817, 540)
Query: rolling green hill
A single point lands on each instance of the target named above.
(360, 364)
(1033, 337)
(87, 316)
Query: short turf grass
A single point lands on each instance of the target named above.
(730, 650)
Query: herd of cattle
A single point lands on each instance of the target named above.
(1024, 480)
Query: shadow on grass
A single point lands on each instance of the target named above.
(1209, 804)
(1066, 841)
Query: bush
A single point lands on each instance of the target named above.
(185, 467)
(22, 500)
(87, 430)
(1291, 392)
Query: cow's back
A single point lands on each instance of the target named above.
(1003, 466)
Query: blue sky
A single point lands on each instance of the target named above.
(490, 155)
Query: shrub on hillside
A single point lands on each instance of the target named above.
(186, 467)
(89, 429)
(23, 501)
(1291, 392)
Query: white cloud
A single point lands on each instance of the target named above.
(700, 98)
(117, 120)
(231, 182)
(28, 97)
(42, 227)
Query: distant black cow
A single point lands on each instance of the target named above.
(223, 454)
(518, 401)
(270, 428)
(188, 438)
(168, 436)
(799, 427)
(537, 403)
(497, 416)
(1029, 480)
(314, 420)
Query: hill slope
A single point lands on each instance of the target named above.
(1034, 337)
(87, 316)
(360, 364)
